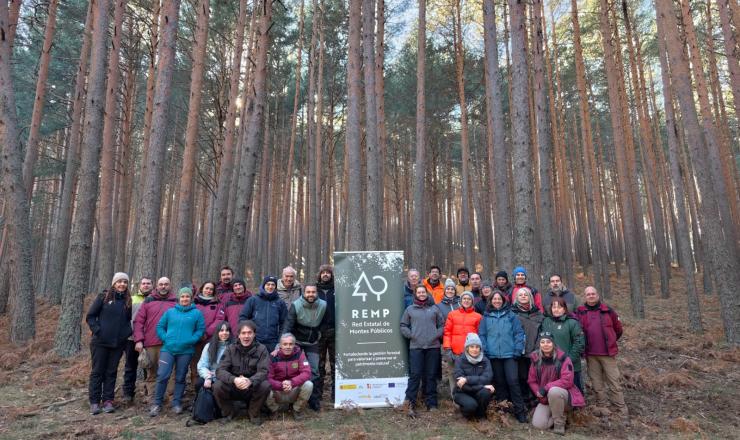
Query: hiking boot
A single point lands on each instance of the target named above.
(559, 428)
(154, 410)
(128, 399)
(256, 421)
(177, 409)
(600, 411)
(522, 418)
(298, 416)
(94, 409)
(411, 412)
(108, 407)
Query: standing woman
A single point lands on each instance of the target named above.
(209, 305)
(109, 319)
(502, 338)
(567, 333)
(180, 328)
(531, 319)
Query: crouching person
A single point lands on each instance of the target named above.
(551, 380)
(473, 375)
(242, 375)
(289, 378)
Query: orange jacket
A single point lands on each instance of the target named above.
(436, 292)
(459, 323)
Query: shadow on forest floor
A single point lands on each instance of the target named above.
(677, 384)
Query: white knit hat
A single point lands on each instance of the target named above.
(118, 277)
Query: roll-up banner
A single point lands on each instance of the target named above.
(371, 369)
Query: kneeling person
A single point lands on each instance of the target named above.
(289, 377)
(242, 374)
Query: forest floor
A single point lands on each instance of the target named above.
(677, 385)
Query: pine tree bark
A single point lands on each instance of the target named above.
(314, 144)
(21, 294)
(251, 146)
(32, 148)
(728, 13)
(374, 186)
(417, 240)
(183, 255)
(77, 272)
(380, 100)
(14, 13)
(355, 226)
(723, 262)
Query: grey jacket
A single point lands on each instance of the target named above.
(423, 326)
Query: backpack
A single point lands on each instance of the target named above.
(205, 408)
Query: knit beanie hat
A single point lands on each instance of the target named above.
(238, 281)
(486, 283)
(472, 339)
(268, 279)
(185, 290)
(502, 274)
(118, 277)
(467, 293)
(520, 269)
(449, 283)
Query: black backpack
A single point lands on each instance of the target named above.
(205, 408)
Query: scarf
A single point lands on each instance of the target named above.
(474, 360)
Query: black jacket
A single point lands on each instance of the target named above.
(477, 375)
(326, 292)
(110, 322)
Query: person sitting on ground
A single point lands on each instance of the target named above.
(473, 375)
(212, 354)
(551, 381)
(422, 325)
(109, 319)
(602, 328)
(267, 311)
(242, 375)
(503, 338)
(568, 335)
(233, 303)
(180, 328)
(289, 377)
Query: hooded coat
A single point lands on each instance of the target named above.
(568, 336)
(109, 322)
(501, 334)
(232, 306)
(289, 294)
(422, 325)
(181, 328)
(268, 312)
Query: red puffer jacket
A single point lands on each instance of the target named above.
(602, 328)
(150, 312)
(459, 323)
(294, 368)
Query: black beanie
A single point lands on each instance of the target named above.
(502, 274)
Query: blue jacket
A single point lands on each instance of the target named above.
(181, 328)
(501, 334)
(268, 312)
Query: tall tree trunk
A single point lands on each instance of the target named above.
(374, 185)
(521, 152)
(732, 49)
(380, 99)
(32, 150)
(251, 146)
(497, 157)
(148, 233)
(417, 241)
(77, 273)
(58, 259)
(722, 258)
(183, 255)
(108, 160)
(355, 226)
(12, 23)
(314, 144)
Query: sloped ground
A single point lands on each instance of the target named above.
(677, 384)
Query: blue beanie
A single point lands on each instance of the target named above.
(269, 278)
(519, 269)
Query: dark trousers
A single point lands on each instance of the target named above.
(313, 358)
(578, 380)
(506, 380)
(423, 364)
(102, 384)
(226, 394)
(475, 403)
(129, 370)
(327, 351)
(168, 362)
(523, 373)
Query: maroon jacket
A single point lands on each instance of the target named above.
(213, 312)
(232, 307)
(223, 289)
(294, 368)
(602, 328)
(554, 372)
(145, 323)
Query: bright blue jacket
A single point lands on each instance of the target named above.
(181, 328)
(501, 334)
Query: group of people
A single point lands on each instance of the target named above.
(509, 342)
(266, 350)
(269, 350)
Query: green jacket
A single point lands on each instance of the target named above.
(568, 336)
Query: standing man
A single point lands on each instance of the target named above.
(145, 327)
(463, 280)
(602, 328)
(267, 312)
(225, 286)
(558, 290)
(288, 288)
(503, 284)
(434, 284)
(475, 284)
(305, 321)
(413, 277)
(132, 356)
(327, 347)
(233, 303)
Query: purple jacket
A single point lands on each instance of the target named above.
(294, 368)
(602, 328)
(150, 312)
(213, 312)
(554, 373)
(232, 306)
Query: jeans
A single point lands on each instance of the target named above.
(130, 369)
(475, 403)
(423, 364)
(167, 362)
(102, 384)
(506, 380)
